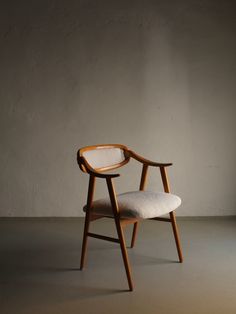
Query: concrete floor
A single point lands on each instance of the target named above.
(39, 273)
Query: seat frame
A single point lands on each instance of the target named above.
(121, 222)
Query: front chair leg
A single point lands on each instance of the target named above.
(176, 235)
(124, 253)
(120, 231)
(134, 234)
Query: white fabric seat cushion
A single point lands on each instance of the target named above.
(139, 204)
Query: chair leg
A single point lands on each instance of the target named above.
(134, 234)
(119, 230)
(124, 253)
(176, 235)
(85, 239)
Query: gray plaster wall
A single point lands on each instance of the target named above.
(158, 76)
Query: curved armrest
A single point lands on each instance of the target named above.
(103, 175)
(145, 161)
(86, 168)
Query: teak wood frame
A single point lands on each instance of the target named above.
(121, 222)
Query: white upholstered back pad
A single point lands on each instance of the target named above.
(104, 157)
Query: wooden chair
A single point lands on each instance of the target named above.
(128, 207)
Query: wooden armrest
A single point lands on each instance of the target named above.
(145, 161)
(104, 175)
(84, 166)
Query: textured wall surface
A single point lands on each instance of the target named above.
(158, 76)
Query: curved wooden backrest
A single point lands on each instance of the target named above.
(102, 157)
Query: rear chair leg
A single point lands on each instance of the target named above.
(85, 240)
(87, 219)
(134, 234)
